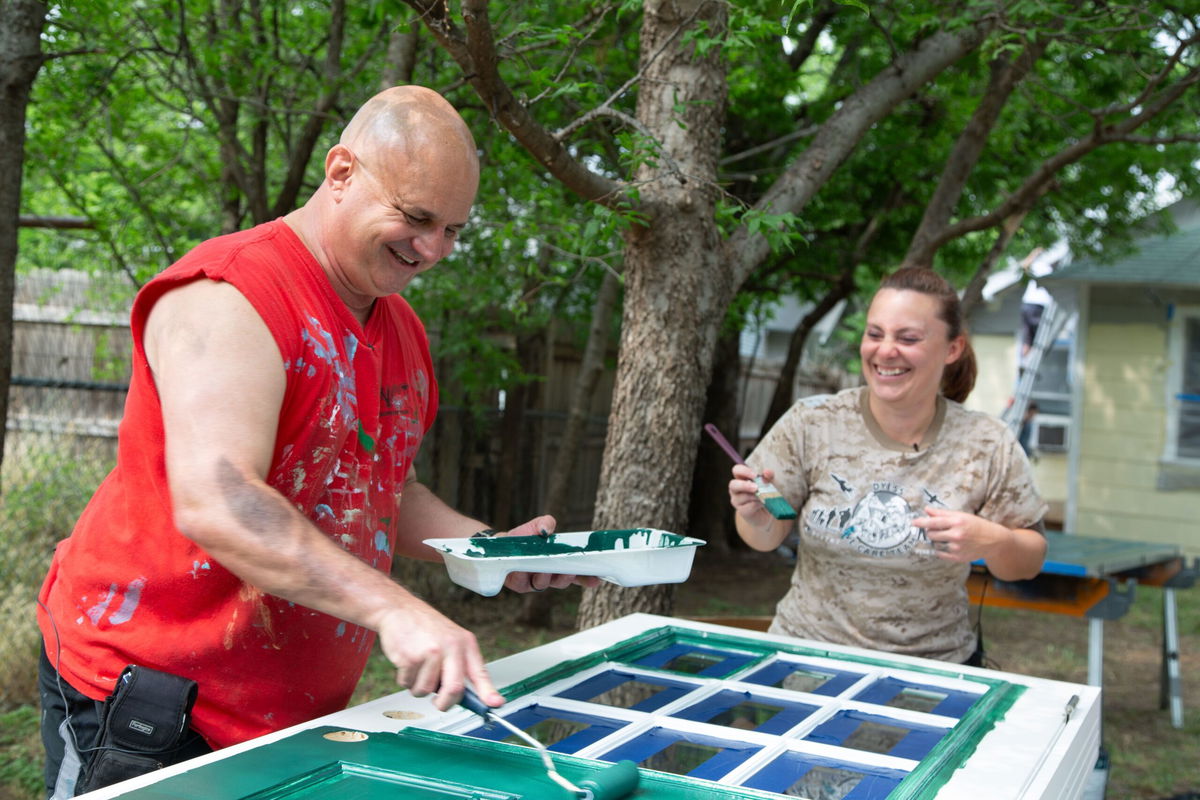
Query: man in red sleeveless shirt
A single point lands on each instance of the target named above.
(264, 476)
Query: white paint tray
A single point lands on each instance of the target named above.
(630, 557)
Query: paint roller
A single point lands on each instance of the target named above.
(612, 783)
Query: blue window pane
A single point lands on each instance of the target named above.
(694, 755)
(878, 734)
(803, 775)
(744, 711)
(706, 662)
(623, 689)
(803, 677)
(560, 731)
(897, 693)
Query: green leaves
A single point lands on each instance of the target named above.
(168, 125)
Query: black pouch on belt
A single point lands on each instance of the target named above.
(144, 723)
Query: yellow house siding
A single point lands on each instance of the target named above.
(1111, 470)
(1110, 498)
(1050, 476)
(1123, 433)
(996, 358)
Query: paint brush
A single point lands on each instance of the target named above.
(768, 495)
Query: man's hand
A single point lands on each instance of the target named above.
(522, 582)
(434, 655)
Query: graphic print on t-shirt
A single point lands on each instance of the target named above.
(879, 524)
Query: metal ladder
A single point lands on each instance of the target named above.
(1054, 319)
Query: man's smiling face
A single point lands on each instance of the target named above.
(398, 216)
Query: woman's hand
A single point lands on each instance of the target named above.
(754, 523)
(1010, 553)
(962, 537)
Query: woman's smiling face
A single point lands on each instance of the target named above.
(906, 347)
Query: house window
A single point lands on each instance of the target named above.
(1183, 441)
(1051, 394)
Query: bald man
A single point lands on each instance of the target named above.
(239, 553)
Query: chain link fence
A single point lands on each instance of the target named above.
(70, 369)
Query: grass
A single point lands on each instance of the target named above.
(20, 754)
(39, 506)
(1150, 760)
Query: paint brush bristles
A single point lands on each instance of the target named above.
(773, 500)
(768, 495)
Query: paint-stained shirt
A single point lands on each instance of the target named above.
(865, 575)
(128, 588)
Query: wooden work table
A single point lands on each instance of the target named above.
(1095, 578)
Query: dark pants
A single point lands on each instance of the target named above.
(1031, 318)
(71, 733)
(976, 658)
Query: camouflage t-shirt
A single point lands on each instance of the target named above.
(865, 576)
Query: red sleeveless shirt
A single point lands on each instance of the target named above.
(127, 588)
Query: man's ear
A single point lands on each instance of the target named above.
(339, 165)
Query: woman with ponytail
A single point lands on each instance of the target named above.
(900, 487)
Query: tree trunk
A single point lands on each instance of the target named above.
(676, 291)
(21, 23)
(513, 490)
(401, 55)
(710, 516)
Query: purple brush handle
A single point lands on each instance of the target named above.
(712, 431)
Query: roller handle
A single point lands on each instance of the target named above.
(472, 702)
(613, 783)
(712, 431)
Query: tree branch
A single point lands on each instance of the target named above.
(593, 20)
(33, 221)
(600, 109)
(476, 55)
(301, 150)
(840, 134)
(1042, 178)
(1005, 75)
(597, 112)
(1152, 84)
(753, 151)
(821, 17)
(973, 292)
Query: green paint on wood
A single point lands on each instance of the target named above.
(423, 764)
(414, 764)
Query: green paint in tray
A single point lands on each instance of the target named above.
(555, 544)
(627, 557)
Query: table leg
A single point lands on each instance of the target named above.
(1172, 688)
(1095, 651)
